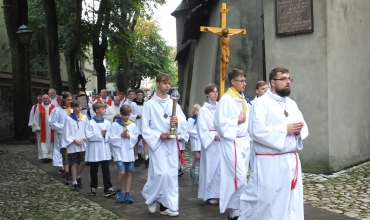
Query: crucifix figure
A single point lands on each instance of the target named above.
(225, 34)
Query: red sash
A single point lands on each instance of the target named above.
(43, 123)
(108, 102)
(182, 159)
(295, 178)
(34, 108)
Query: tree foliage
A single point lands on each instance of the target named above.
(147, 54)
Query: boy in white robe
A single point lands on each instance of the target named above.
(194, 138)
(44, 134)
(74, 138)
(231, 122)
(277, 127)
(123, 137)
(98, 150)
(210, 159)
(162, 183)
(134, 116)
(141, 142)
(56, 122)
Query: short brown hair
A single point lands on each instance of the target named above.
(209, 88)
(130, 90)
(274, 72)
(75, 103)
(98, 105)
(139, 91)
(235, 73)
(260, 83)
(125, 110)
(163, 77)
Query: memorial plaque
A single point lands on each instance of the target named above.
(294, 17)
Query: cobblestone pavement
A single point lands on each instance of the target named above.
(27, 192)
(346, 192)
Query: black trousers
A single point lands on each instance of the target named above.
(94, 174)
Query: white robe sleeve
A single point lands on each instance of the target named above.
(54, 121)
(303, 134)
(182, 125)
(134, 111)
(68, 132)
(91, 135)
(133, 131)
(206, 137)
(226, 118)
(36, 120)
(32, 116)
(270, 136)
(115, 135)
(150, 132)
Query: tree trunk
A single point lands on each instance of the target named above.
(53, 45)
(72, 75)
(71, 55)
(16, 14)
(100, 42)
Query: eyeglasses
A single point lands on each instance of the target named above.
(242, 81)
(285, 79)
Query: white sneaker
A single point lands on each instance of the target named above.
(212, 201)
(152, 207)
(170, 213)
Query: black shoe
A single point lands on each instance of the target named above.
(180, 173)
(93, 191)
(234, 218)
(110, 192)
(140, 158)
(79, 183)
(75, 188)
(147, 163)
(137, 163)
(68, 178)
(61, 171)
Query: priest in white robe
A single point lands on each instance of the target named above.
(162, 182)
(231, 122)
(54, 99)
(112, 113)
(45, 136)
(277, 127)
(210, 157)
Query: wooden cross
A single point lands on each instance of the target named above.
(225, 42)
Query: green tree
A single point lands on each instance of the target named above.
(147, 55)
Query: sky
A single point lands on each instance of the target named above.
(166, 21)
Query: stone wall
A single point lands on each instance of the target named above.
(331, 70)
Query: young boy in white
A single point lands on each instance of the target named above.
(162, 182)
(98, 150)
(141, 142)
(194, 138)
(123, 137)
(74, 138)
(210, 160)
